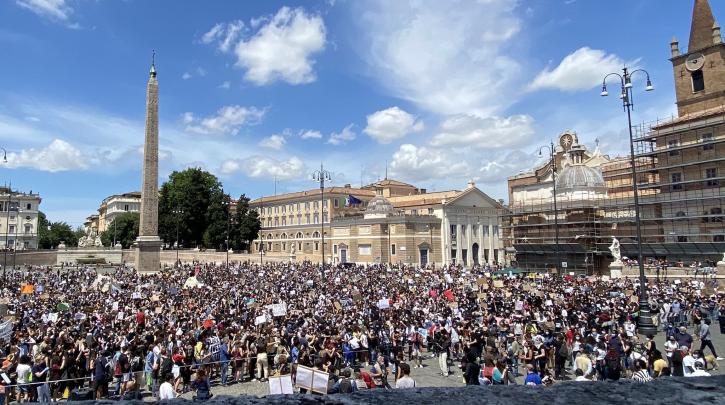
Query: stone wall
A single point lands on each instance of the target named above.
(34, 258)
(695, 391)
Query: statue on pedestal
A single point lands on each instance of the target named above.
(616, 252)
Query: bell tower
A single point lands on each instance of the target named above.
(700, 71)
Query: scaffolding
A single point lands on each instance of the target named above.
(679, 164)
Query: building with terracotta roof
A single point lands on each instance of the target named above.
(385, 222)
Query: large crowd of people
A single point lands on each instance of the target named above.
(117, 334)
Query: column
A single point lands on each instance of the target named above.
(480, 243)
(445, 240)
(459, 240)
(490, 241)
(469, 242)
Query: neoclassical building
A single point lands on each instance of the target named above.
(384, 222)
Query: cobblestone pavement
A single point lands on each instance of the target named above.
(429, 375)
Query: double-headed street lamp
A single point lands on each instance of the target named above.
(552, 162)
(321, 176)
(645, 324)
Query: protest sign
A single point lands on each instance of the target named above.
(279, 309)
(482, 296)
(383, 304)
(155, 298)
(281, 385)
(453, 304)
(338, 306)
(136, 296)
(120, 316)
(304, 377)
(319, 381)
(260, 320)
(498, 284)
(6, 329)
(27, 289)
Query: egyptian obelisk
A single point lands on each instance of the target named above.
(148, 255)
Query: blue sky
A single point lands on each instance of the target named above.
(441, 91)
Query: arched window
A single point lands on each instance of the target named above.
(680, 214)
(698, 81)
(316, 235)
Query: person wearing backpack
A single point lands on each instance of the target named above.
(345, 385)
(612, 365)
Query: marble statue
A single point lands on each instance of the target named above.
(614, 248)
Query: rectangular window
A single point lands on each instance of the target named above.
(392, 249)
(682, 238)
(698, 81)
(12, 229)
(707, 139)
(315, 205)
(307, 218)
(676, 178)
(453, 231)
(710, 175)
(495, 231)
(718, 238)
(364, 250)
(336, 203)
(430, 211)
(125, 207)
(414, 212)
(334, 249)
(324, 204)
(673, 144)
(28, 207)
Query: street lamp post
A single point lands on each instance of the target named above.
(15, 242)
(178, 212)
(320, 176)
(552, 161)
(646, 326)
(7, 209)
(229, 219)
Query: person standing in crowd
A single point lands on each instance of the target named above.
(444, 348)
(706, 338)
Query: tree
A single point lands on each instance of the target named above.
(50, 234)
(190, 199)
(125, 227)
(217, 219)
(43, 231)
(245, 225)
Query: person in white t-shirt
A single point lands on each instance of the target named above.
(166, 390)
(405, 381)
(670, 347)
(24, 370)
(688, 362)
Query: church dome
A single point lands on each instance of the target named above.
(379, 205)
(579, 177)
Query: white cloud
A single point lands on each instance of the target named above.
(186, 76)
(447, 58)
(581, 70)
(201, 72)
(58, 156)
(228, 120)
(338, 138)
(275, 142)
(393, 123)
(282, 49)
(224, 34)
(225, 85)
(263, 166)
(418, 163)
(310, 134)
(53, 9)
(471, 131)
